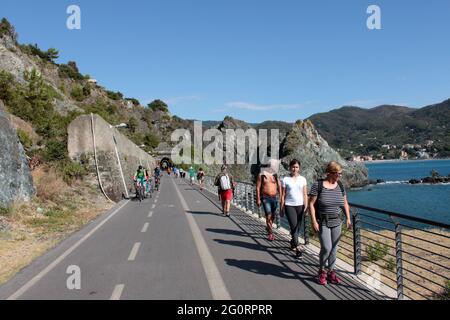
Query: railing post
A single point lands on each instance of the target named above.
(252, 203)
(356, 243)
(247, 204)
(399, 259)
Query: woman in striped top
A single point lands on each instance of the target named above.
(327, 197)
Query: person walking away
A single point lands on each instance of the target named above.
(191, 175)
(294, 202)
(201, 178)
(225, 183)
(327, 197)
(268, 187)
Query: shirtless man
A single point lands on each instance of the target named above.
(268, 186)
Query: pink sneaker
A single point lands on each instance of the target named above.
(322, 277)
(271, 237)
(333, 278)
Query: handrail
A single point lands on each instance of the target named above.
(402, 216)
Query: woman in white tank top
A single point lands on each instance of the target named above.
(294, 202)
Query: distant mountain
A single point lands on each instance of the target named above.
(365, 131)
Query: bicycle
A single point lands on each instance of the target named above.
(140, 191)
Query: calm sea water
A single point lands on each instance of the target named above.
(426, 201)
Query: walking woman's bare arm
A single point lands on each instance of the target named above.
(347, 212)
(305, 197)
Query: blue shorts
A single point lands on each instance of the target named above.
(270, 205)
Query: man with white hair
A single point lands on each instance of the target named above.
(268, 187)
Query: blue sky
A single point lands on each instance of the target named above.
(255, 60)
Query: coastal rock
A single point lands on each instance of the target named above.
(17, 183)
(305, 144)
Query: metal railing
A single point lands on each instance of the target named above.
(408, 254)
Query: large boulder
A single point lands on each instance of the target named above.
(305, 144)
(16, 181)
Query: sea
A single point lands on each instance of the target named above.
(431, 202)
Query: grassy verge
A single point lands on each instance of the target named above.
(57, 211)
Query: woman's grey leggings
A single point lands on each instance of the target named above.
(329, 240)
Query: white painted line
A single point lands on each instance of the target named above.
(134, 251)
(52, 265)
(145, 227)
(153, 206)
(117, 292)
(216, 284)
(156, 200)
(150, 214)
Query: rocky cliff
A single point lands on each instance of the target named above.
(16, 182)
(305, 144)
(300, 141)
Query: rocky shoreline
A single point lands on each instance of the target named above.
(430, 180)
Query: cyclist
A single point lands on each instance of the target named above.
(148, 188)
(140, 179)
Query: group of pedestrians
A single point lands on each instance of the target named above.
(326, 203)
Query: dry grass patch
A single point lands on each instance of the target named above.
(57, 211)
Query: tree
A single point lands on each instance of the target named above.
(158, 105)
(132, 124)
(151, 140)
(52, 54)
(6, 28)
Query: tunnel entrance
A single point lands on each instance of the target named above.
(165, 163)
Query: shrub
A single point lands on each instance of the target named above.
(55, 150)
(70, 70)
(77, 93)
(34, 50)
(6, 28)
(158, 105)
(72, 171)
(24, 138)
(114, 95)
(5, 212)
(133, 124)
(106, 111)
(151, 140)
(49, 185)
(87, 90)
(446, 290)
(134, 101)
(390, 265)
(376, 252)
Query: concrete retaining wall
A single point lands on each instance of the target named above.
(81, 148)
